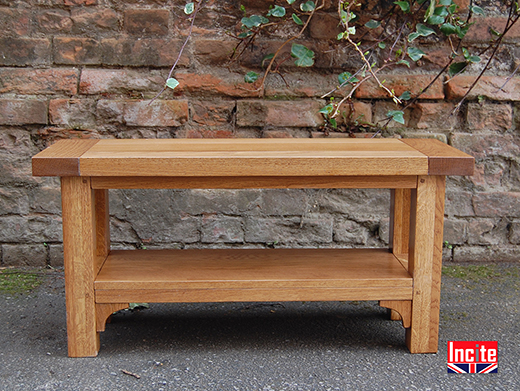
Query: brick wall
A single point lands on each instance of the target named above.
(88, 68)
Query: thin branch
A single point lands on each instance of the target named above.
(197, 8)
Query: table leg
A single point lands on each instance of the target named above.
(425, 262)
(85, 244)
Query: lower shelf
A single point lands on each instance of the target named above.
(252, 275)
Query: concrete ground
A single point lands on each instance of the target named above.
(262, 346)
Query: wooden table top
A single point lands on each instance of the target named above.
(251, 157)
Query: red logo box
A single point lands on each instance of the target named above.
(472, 356)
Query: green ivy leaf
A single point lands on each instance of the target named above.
(405, 6)
(477, 10)
(415, 54)
(327, 109)
(304, 56)
(251, 77)
(346, 77)
(291, 1)
(448, 29)
(396, 115)
(333, 122)
(441, 11)
(381, 45)
(308, 6)
(406, 95)
(430, 10)
(446, 2)
(372, 24)
(277, 11)
(297, 20)
(457, 67)
(404, 62)
(172, 83)
(422, 31)
(254, 21)
(269, 57)
(435, 20)
(189, 8)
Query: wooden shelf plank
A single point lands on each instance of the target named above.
(249, 275)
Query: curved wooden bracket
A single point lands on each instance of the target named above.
(103, 312)
(402, 307)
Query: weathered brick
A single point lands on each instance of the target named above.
(481, 232)
(514, 233)
(110, 81)
(25, 51)
(69, 50)
(351, 232)
(284, 202)
(13, 201)
(489, 116)
(215, 84)
(279, 113)
(489, 174)
(325, 26)
(459, 203)
(54, 21)
(75, 113)
(24, 255)
(455, 231)
(211, 113)
(481, 30)
(94, 21)
(146, 22)
(434, 116)
(14, 22)
(361, 205)
(488, 86)
(22, 112)
(486, 254)
(214, 51)
(38, 81)
(13, 229)
(482, 146)
(142, 52)
(51, 134)
(110, 111)
(400, 84)
(159, 113)
(232, 202)
(16, 149)
(56, 255)
(305, 230)
(79, 2)
(497, 204)
(45, 199)
(222, 229)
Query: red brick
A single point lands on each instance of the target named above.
(306, 85)
(490, 116)
(481, 30)
(210, 113)
(38, 81)
(54, 21)
(325, 26)
(74, 113)
(213, 51)
(359, 112)
(159, 113)
(109, 81)
(304, 113)
(22, 112)
(277, 134)
(94, 21)
(76, 51)
(14, 22)
(228, 84)
(79, 2)
(146, 22)
(51, 134)
(142, 52)
(24, 51)
(488, 86)
(434, 116)
(400, 84)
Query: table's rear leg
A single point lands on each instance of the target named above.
(425, 262)
(80, 234)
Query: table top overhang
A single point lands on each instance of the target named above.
(251, 157)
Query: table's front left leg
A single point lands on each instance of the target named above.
(80, 255)
(425, 262)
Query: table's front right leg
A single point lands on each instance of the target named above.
(79, 247)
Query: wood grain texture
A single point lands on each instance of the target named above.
(443, 159)
(275, 182)
(251, 268)
(400, 220)
(402, 307)
(425, 263)
(252, 157)
(79, 250)
(104, 311)
(102, 219)
(61, 158)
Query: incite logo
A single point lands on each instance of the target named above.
(472, 356)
